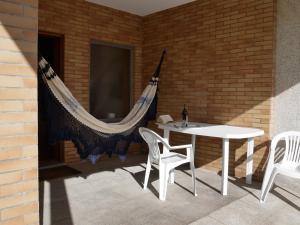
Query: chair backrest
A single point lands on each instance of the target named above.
(292, 146)
(152, 139)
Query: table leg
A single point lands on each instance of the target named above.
(249, 160)
(194, 144)
(225, 166)
(166, 134)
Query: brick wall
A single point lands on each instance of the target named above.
(18, 113)
(80, 22)
(219, 63)
(220, 59)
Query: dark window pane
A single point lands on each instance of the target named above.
(109, 81)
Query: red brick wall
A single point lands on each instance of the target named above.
(18, 113)
(80, 22)
(219, 63)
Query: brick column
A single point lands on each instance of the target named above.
(18, 112)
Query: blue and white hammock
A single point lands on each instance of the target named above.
(68, 120)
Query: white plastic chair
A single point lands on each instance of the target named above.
(167, 161)
(288, 166)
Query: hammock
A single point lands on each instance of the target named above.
(68, 120)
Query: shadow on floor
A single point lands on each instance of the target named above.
(154, 175)
(58, 194)
(239, 182)
(278, 195)
(52, 201)
(59, 209)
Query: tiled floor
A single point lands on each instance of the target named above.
(110, 193)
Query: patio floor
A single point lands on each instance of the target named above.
(110, 193)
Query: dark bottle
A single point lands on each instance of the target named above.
(185, 117)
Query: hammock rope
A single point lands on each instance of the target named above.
(68, 120)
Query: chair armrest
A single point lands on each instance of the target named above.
(163, 139)
(189, 150)
(180, 147)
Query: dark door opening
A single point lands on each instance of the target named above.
(50, 46)
(110, 81)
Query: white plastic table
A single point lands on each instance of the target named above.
(219, 131)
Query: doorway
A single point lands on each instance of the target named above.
(51, 47)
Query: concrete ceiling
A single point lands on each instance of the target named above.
(140, 7)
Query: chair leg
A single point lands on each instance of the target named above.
(167, 177)
(267, 175)
(193, 177)
(268, 186)
(172, 176)
(147, 173)
(162, 181)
